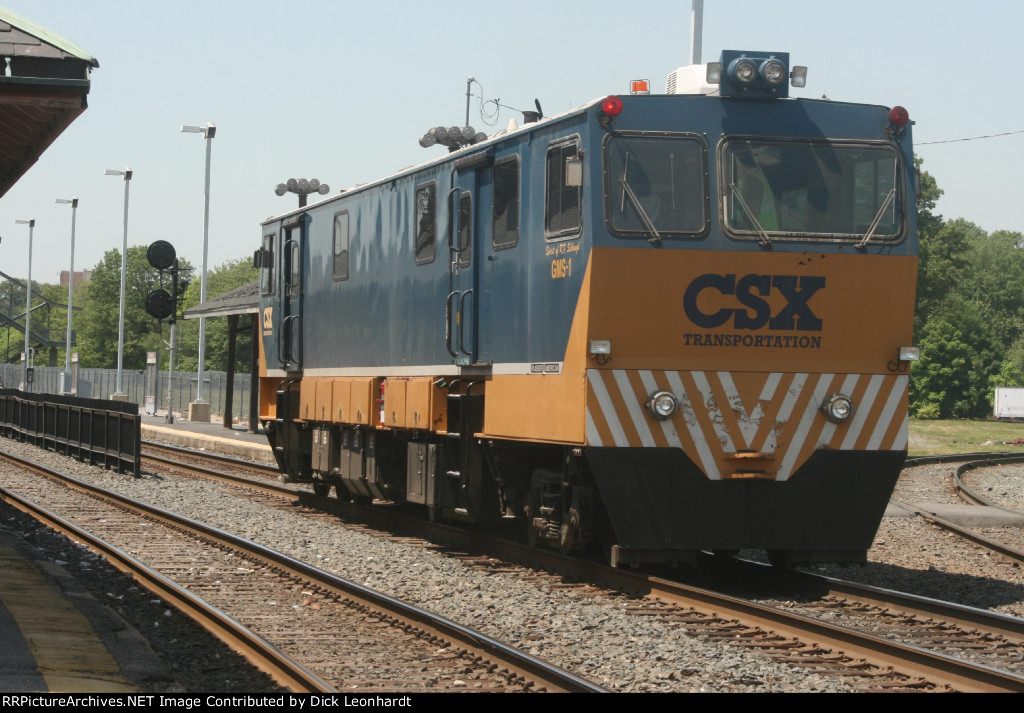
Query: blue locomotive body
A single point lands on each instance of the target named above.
(668, 297)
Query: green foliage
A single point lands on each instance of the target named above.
(99, 323)
(994, 280)
(224, 278)
(969, 321)
(943, 264)
(96, 319)
(928, 223)
(959, 352)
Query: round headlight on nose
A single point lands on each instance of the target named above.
(662, 405)
(838, 408)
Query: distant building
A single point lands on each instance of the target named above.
(80, 277)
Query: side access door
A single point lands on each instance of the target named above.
(464, 253)
(290, 256)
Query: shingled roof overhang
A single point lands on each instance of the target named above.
(241, 300)
(44, 80)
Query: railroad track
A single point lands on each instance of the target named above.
(957, 487)
(873, 638)
(310, 630)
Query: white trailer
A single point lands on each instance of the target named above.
(1009, 402)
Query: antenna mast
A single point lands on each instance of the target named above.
(696, 28)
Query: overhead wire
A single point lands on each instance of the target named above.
(973, 138)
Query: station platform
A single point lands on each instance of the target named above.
(56, 638)
(212, 437)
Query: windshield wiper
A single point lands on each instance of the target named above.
(627, 192)
(878, 217)
(762, 235)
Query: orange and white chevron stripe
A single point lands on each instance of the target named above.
(746, 424)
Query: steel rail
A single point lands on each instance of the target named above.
(913, 661)
(1008, 627)
(257, 650)
(908, 659)
(272, 487)
(969, 493)
(220, 457)
(551, 677)
(969, 462)
(1001, 548)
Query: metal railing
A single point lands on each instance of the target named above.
(101, 383)
(105, 433)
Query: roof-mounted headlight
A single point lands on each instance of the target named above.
(662, 405)
(838, 408)
(756, 75)
(742, 71)
(773, 72)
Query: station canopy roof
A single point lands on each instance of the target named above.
(241, 300)
(44, 80)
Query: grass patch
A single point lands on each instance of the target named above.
(931, 438)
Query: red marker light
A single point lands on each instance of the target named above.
(899, 117)
(611, 106)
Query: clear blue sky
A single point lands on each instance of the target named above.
(341, 91)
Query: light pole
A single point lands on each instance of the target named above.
(28, 300)
(208, 132)
(66, 385)
(119, 395)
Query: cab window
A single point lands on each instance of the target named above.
(562, 202)
(506, 203)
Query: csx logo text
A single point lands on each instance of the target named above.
(750, 291)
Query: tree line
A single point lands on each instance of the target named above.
(97, 310)
(969, 321)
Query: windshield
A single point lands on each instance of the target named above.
(841, 191)
(655, 186)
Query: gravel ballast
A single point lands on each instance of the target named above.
(591, 635)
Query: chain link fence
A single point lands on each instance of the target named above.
(151, 398)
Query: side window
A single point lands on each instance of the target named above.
(465, 229)
(267, 265)
(506, 203)
(561, 202)
(341, 246)
(426, 222)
